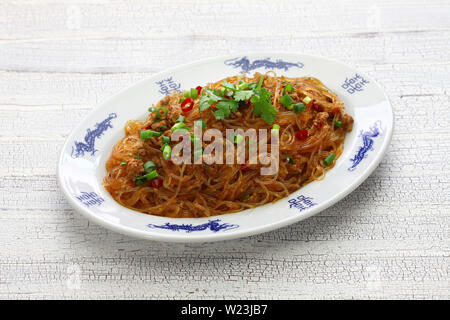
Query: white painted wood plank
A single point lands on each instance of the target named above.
(83, 19)
(153, 55)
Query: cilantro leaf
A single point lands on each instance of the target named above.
(259, 97)
(243, 95)
(227, 106)
(215, 94)
(229, 86)
(263, 106)
(219, 114)
(209, 98)
(204, 103)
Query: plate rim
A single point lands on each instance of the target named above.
(239, 233)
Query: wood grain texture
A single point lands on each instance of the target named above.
(388, 239)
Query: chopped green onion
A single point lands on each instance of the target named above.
(165, 139)
(146, 177)
(181, 100)
(200, 124)
(151, 109)
(162, 128)
(329, 159)
(186, 94)
(289, 159)
(137, 157)
(149, 166)
(288, 88)
(195, 138)
(290, 107)
(299, 107)
(238, 139)
(147, 134)
(275, 129)
(180, 119)
(194, 93)
(245, 197)
(179, 125)
(161, 112)
(123, 163)
(151, 175)
(338, 124)
(306, 100)
(286, 100)
(167, 151)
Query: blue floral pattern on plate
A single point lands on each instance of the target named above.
(91, 135)
(213, 225)
(247, 66)
(367, 138)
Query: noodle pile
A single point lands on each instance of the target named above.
(192, 190)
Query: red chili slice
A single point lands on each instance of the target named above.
(199, 89)
(301, 134)
(187, 105)
(156, 183)
(317, 107)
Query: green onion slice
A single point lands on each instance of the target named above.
(299, 107)
(167, 151)
(149, 166)
(238, 139)
(329, 159)
(288, 88)
(179, 125)
(289, 159)
(180, 119)
(286, 100)
(147, 134)
(165, 139)
(306, 100)
(161, 112)
(245, 197)
(146, 177)
(194, 93)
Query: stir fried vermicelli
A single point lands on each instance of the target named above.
(312, 127)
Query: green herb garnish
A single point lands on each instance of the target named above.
(329, 159)
(257, 95)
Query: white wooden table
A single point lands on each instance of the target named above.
(388, 239)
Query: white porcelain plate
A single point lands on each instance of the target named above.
(81, 167)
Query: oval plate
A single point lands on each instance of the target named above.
(81, 166)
